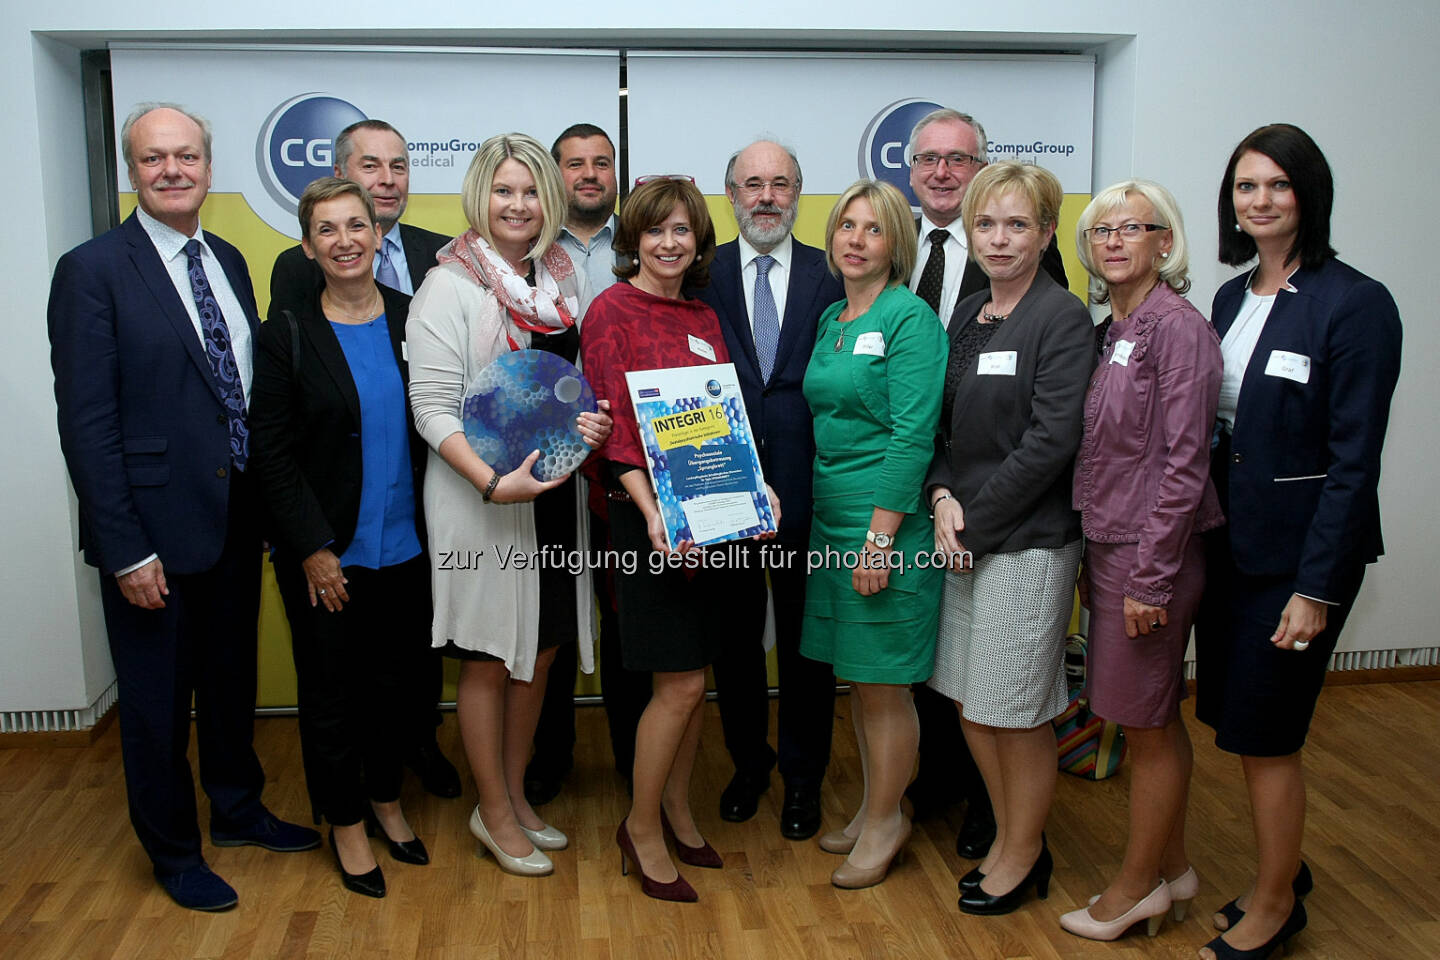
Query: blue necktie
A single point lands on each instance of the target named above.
(385, 273)
(766, 317)
(220, 354)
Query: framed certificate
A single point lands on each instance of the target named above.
(700, 453)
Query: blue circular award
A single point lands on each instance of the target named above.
(528, 400)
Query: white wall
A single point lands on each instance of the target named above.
(1176, 88)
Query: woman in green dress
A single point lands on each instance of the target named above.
(872, 602)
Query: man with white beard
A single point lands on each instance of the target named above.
(769, 290)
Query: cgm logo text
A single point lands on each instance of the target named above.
(297, 144)
(882, 145)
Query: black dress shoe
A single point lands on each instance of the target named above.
(406, 851)
(971, 880)
(437, 774)
(983, 904)
(975, 836)
(800, 816)
(740, 800)
(542, 786)
(371, 883)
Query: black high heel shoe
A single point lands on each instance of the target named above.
(1293, 924)
(405, 851)
(982, 904)
(370, 883)
(1301, 886)
(971, 880)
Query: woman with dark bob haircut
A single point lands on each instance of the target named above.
(666, 626)
(1312, 352)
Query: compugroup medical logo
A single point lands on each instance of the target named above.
(297, 144)
(882, 145)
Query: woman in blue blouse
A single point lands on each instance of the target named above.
(339, 466)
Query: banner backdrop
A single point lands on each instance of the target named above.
(848, 116)
(275, 112)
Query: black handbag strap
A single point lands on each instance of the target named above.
(294, 345)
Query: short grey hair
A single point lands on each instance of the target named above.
(151, 105)
(345, 140)
(789, 151)
(1174, 270)
(945, 113)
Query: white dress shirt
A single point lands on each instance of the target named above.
(1238, 346)
(956, 253)
(779, 276)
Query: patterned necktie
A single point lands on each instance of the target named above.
(385, 273)
(932, 278)
(766, 317)
(220, 354)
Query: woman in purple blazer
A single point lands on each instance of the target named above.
(1143, 489)
(1312, 353)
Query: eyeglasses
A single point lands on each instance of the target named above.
(1127, 231)
(663, 176)
(783, 186)
(929, 161)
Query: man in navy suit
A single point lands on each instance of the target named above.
(374, 155)
(151, 326)
(769, 290)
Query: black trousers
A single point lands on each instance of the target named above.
(625, 692)
(350, 692)
(200, 644)
(807, 687)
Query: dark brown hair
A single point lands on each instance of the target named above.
(1294, 152)
(649, 205)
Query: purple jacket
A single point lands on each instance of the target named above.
(1143, 471)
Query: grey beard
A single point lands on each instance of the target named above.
(765, 238)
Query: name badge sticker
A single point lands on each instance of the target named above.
(701, 349)
(998, 364)
(1290, 366)
(1121, 352)
(870, 344)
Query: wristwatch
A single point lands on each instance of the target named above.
(881, 540)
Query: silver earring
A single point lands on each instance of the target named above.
(1237, 226)
(1164, 255)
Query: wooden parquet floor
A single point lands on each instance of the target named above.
(75, 884)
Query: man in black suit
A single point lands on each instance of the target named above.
(946, 151)
(151, 333)
(769, 290)
(374, 155)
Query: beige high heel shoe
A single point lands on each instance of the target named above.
(535, 864)
(847, 876)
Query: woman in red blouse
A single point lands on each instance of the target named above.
(667, 621)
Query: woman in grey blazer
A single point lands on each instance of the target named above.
(1021, 353)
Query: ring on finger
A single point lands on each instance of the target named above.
(1302, 644)
(321, 591)
(1154, 624)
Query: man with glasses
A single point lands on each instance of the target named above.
(769, 291)
(946, 151)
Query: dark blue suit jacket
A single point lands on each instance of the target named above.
(1305, 457)
(142, 423)
(780, 418)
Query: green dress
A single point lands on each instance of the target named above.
(874, 386)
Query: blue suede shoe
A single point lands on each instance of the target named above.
(198, 888)
(268, 832)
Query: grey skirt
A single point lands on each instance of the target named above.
(1001, 645)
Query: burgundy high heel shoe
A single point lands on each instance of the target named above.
(677, 890)
(701, 856)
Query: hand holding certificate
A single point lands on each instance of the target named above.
(700, 454)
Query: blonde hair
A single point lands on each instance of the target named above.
(1034, 183)
(897, 224)
(527, 151)
(1174, 269)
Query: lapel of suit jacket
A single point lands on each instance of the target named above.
(396, 313)
(731, 291)
(1272, 336)
(316, 329)
(151, 270)
(415, 258)
(800, 295)
(1014, 332)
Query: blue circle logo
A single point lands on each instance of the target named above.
(297, 144)
(712, 387)
(882, 145)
